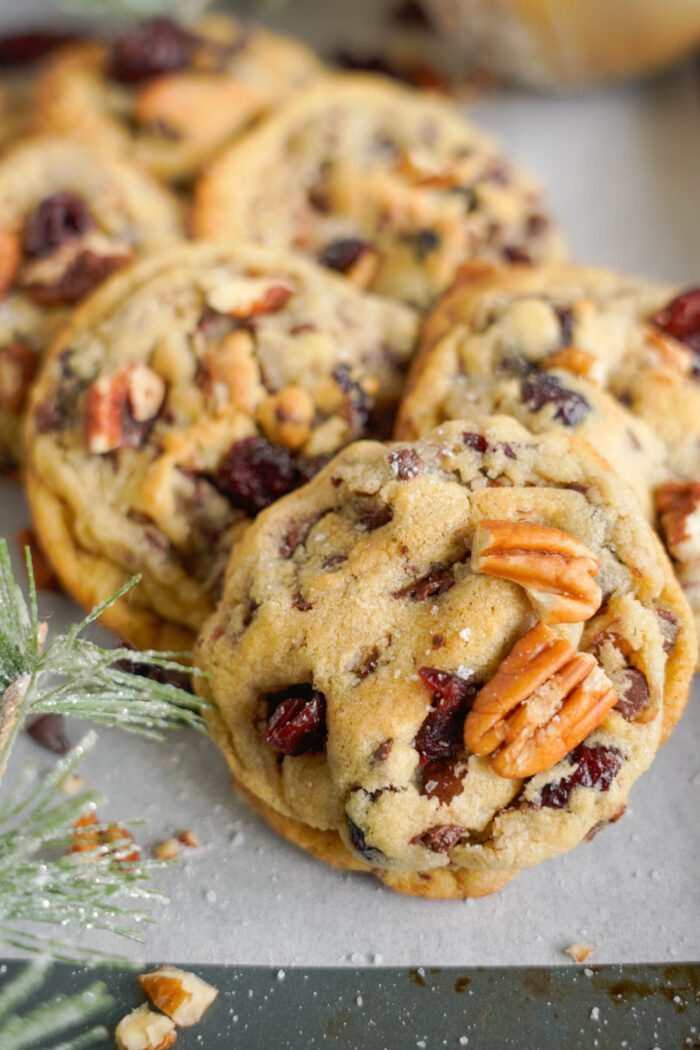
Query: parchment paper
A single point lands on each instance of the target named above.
(622, 170)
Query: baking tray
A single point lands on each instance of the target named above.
(621, 168)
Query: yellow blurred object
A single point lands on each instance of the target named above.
(571, 43)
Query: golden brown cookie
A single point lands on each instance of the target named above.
(184, 397)
(449, 659)
(612, 359)
(168, 95)
(69, 217)
(389, 186)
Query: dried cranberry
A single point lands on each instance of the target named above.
(23, 49)
(681, 319)
(341, 255)
(57, 219)
(48, 417)
(441, 735)
(50, 732)
(633, 695)
(476, 443)
(406, 463)
(254, 473)
(297, 723)
(596, 768)
(86, 272)
(148, 49)
(371, 518)
(443, 779)
(359, 843)
(436, 582)
(542, 389)
(441, 838)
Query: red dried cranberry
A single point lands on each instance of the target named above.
(441, 838)
(58, 219)
(440, 779)
(681, 319)
(23, 49)
(86, 272)
(297, 723)
(596, 768)
(342, 255)
(406, 463)
(254, 473)
(436, 582)
(633, 695)
(441, 735)
(50, 732)
(542, 389)
(149, 49)
(359, 843)
(475, 442)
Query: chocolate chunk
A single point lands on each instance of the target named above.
(633, 695)
(436, 582)
(341, 255)
(542, 389)
(441, 838)
(443, 778)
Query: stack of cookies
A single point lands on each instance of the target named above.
(382, 459)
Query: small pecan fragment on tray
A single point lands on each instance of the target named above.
(180, 995)
(542, 702)
(555, 568)
(144, 1029)
(677, 504)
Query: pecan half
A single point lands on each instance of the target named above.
(555, 568)
(542, 702)
(247, 297)
(119, 408)
(677, 505)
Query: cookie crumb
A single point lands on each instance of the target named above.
(167, 850)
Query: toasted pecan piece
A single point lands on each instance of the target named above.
(178, 993)
(246, 297)
(10, 253)
(542, 702)
(677, 505)
(571, 359)
(555, 568)
(119, 407)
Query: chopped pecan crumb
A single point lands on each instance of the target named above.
(179, 994)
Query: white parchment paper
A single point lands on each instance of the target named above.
(623, 175)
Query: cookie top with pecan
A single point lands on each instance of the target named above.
(172, 95)
(69, 217)
(448, 660)
(390, 187)
(612, 359)
(187, 395)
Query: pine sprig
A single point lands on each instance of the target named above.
(74, 676)
(42, 883)
(53, 1018)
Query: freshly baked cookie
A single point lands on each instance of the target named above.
(612, 359)
(69, 217)
(386, 185)
(448, 660)
(188, 394)
(168, 95)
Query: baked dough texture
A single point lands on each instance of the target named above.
(610, 358)
(69, 216)
(190, 392)
(169, 96)
(389, 186)
(365, 617)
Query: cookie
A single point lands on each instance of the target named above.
(448, 660)
(386, 185)
(171, 96)
(188, 394)
(69, 217)
(611, 359)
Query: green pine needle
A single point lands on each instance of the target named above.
(51, 1019)
(42, 883)
(74, 676)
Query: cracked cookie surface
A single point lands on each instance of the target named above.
(171, 96)
(388, 693)
(390, 187)
(611, 359)
(187, 395)
(69, 217)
